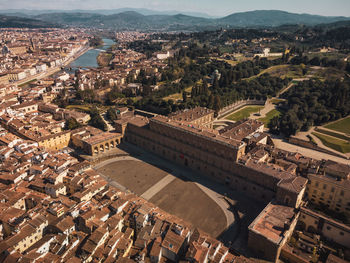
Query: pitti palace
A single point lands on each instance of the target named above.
(243, 157)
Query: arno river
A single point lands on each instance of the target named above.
(89, 59)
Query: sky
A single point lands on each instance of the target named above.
(211, 7)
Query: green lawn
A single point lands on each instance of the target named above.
(329, 72)
(294, 72)
(229, 61)
(333, 134)
(244, 113)
(276, 101)
(269, 116)
(85, 108)
(174, 97)
(341, 125)
(331, 55)
(334, 143)
(178, 96)
(282, 71)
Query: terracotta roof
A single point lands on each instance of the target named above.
(102, 137)
(270, 223)
(173, 241)
(296, 184)
(190, 115)
(208, 134)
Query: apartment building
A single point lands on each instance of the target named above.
(331, 192)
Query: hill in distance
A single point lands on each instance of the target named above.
(23, 22)
(135, 20)
(131, 20)
(142, 11)
(276, 18)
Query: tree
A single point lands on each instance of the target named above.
(303, 68)
(216, 84)
(87, 95)
(315, 61)
(111, 115)
(96, 120)
(113, 95)
(96, 41)
(273, 125)
(217, 104)
(184, 96)
(72, 124)
(314, 102)
(62, 100)
(146, 90)
(347, 67)
(194, 92)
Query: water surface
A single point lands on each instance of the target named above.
(89, 59)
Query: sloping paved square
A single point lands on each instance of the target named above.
(134, 175)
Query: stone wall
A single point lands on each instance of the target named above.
(287, 255)
(332, 230)
(312, 146)
(239, 104)
(102, 147)
(263, 247)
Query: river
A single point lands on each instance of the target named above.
(89, 58)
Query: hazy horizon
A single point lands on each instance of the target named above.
(219, 8)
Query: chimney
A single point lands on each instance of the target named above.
(286, 225)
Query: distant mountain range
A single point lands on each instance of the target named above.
(132, 20)
(21, 22)
(276, 18)
(142, 11)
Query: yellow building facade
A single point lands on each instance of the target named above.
(56, 141)
(328, 191)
